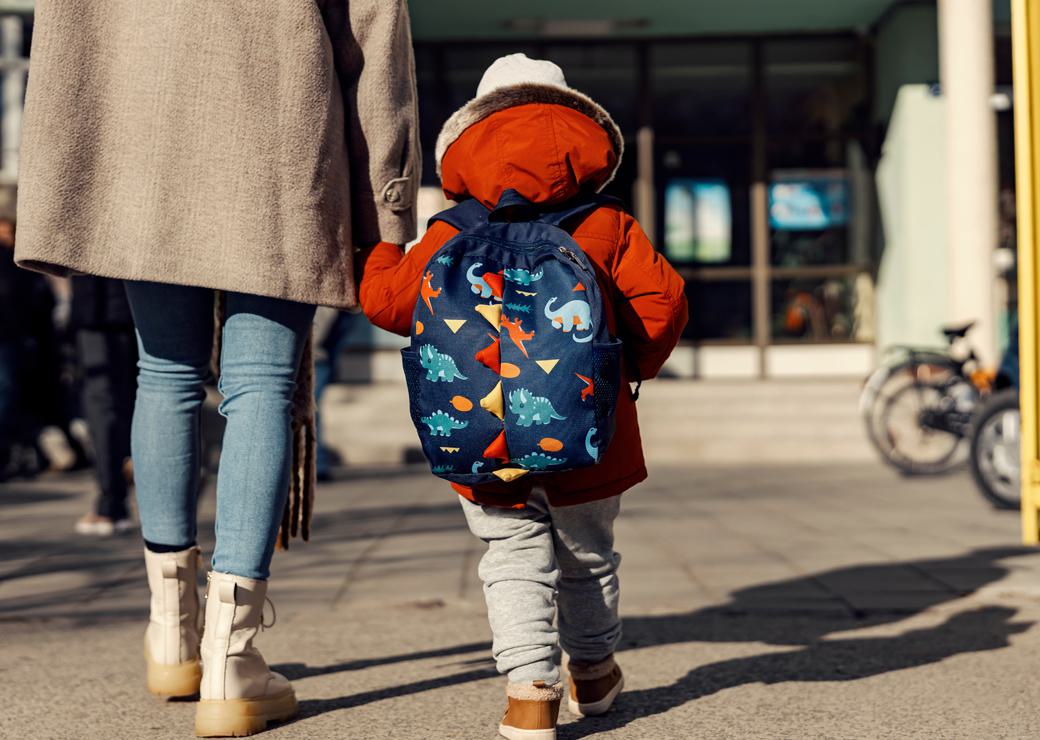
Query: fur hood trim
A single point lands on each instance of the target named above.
(537, 691)
(483, 106)
(591, 671)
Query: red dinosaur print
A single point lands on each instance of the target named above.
(516, 332)
(427, 292)
(589, 389)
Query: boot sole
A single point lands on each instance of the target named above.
(515, 733)
(241, 717)
(176, 681)
(591, 709)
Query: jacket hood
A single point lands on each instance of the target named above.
(547, 152)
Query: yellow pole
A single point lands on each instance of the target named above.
(1025, 20)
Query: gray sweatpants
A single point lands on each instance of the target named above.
(542, 560)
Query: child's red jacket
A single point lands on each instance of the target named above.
(548, 153)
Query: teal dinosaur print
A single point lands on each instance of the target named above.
(442, 424)
(592, 449)
(477, 466)
(531, 409)
(538, 461)
(438, 366)
(518, 307)
(445, 259)
(442, 469)
(521, 276)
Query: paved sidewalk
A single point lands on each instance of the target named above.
(760, 602)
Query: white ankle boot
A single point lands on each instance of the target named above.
(239, 693)
(171, 642)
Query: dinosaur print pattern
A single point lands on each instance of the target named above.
(516, 332)
(446, 259)
(521, 276)
(538, 461)
(589, 389)
(442, 469)
(592, 449)
(488, 285)
(439, 367)
(427, 292)
(531, 409)
(574, 315)
(442, 424)
(518, 307)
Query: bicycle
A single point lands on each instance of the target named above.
(918, 405)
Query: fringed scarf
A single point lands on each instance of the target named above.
(296, 518)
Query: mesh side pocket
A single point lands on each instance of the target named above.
(607, 379)
(413, 370)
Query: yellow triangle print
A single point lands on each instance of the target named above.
(494, 402)
(454, 324)
(525, 294)
(493, 314)
(508, 474)
(547, 365)
(450, 450)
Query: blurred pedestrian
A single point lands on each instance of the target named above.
(35, 384)
(104, 330)
(529, 144)
(331, 328)
(250, 157)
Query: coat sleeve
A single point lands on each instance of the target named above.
(390, 279)
(650, 305)
(372, 46)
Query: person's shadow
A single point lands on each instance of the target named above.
(798, 612)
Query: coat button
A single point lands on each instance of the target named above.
(392, 196)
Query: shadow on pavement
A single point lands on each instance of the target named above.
(797, 612)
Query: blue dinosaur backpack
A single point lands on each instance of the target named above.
(511, 370)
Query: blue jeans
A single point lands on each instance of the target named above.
(263, 340)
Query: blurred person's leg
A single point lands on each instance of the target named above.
(105, 359)
(175, 341)
(263, 340)
(331, 328)
(8, 400)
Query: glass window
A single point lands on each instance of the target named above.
(719, 310)
(809, 217)
(813, 87)
(703, 191)
(822, 309)
(701, 89)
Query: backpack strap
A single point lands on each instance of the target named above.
(579, 206)
(468, 214)
(514, 207)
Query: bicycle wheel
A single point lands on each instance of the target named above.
(886, 382)
(922, 425)
(995, 453)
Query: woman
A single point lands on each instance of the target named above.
(194, 147)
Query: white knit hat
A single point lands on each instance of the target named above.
(517, 80)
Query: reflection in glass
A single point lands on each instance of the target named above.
(719, 310)
(698, 221)
(823, 309)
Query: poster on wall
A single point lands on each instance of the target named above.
(698, 221)
(808, 200)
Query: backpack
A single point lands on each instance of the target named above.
(511, 370)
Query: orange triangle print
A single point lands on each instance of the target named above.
(497, 449)
(578, 287)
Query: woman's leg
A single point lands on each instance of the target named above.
(263, 340)
(175, 342)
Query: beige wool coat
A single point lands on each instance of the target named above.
(241, 145)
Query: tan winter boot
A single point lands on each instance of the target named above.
(171, 642)
(239, 693)
(532, 712)
(594, 686)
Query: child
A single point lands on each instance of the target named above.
(550, 542)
